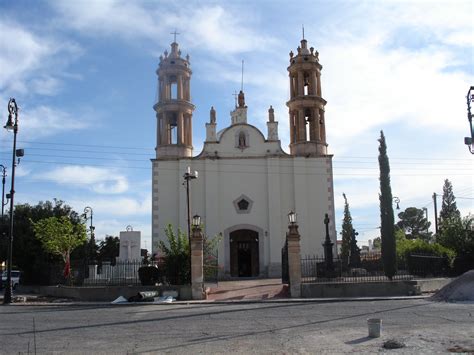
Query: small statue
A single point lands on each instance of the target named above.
(271, 114)
(213, 115)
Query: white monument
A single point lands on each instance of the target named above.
(129, 245)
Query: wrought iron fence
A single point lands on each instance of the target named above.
(120, 273)
(370, 269)
(211, 264)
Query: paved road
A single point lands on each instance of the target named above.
(272, 328)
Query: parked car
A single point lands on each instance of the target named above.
(15, 276)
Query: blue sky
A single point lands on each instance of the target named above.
(83, 74)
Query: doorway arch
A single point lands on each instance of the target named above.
(244, 251)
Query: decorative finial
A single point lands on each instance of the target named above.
(303, 30)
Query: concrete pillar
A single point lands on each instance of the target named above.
(197, 268)
(294, 260)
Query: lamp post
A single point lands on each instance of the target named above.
(469, 141)
(88, 211)
(4, 174)
(11, 125)
(188, 175)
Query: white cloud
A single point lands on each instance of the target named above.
(208, 27)
(45, 121)
(100, 180)
(30, 61)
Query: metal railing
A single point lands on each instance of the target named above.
(370, 269)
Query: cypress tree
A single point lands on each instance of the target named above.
(449, 210)
(346, 232)
(387, 229)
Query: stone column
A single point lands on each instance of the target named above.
(180, 87)
(300, 83)
(323, 126)
(180, 128)
(197, 269)
(314, 80)
(294, 260)
(318, 77)
(301, 126)
(317, 132)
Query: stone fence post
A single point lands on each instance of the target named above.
(294, 260)
(197, 270)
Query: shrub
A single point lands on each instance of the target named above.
(149, 275)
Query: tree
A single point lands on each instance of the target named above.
(109, 248)
(60, 236)
(449, 210)
(414, 224)
(37, 266)
(354, 259)
(346, 232)
(387, 229)
(459, 236)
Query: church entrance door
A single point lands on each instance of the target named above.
(244, 259)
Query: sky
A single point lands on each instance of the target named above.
(83, 75)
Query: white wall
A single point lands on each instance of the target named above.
(273, 180)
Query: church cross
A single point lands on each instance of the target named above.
(175, 33)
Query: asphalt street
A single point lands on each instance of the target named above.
(274, 328)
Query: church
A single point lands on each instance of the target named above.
(247, 184)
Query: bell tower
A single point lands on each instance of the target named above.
(174, 110)
(306, 105)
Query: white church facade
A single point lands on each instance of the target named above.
(246, 184)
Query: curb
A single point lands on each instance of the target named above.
(31, 302)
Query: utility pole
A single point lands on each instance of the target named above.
(435, 212)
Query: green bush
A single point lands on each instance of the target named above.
(405, 247)
(176, 257)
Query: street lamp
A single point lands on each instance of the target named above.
(196, 221)
(88, 211)
(397, 201)
(11, 125)
(188, 175)
(292, 217)
(469, 141)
